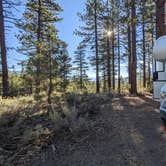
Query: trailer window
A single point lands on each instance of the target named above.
(159, 66)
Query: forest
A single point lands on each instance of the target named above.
(52, 110)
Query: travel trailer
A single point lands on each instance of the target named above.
(159, 66)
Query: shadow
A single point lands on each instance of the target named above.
(19, 134)
(17, 129)
(124, 131)
(143, 121)
(127, 135)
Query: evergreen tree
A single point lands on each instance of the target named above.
(51, 68)
(38, 16)
(5, 81)
(5, 17)
(107, 45)
(146, 21)
(134, 53)
(92, 33)
(160, 18)
(81, 65)
(64, 67)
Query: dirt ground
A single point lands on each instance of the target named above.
(126, 132)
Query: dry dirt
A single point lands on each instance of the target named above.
(126, 132)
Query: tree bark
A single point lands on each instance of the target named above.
(108, 58)
(96, 47)
(104, 81)
(134, 56)
(160, 18)
(37, 90)
(129, 53)
(5, 81)
(149, 68)
(119, 79)
(144, 48)
(119, 86)
(50, 87)
(81, 73)
(104, 71)
(129, 45)
(113, 61)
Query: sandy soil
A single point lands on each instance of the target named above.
(126, 132)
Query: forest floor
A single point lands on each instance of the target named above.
(126, 131)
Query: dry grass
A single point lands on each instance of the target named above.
(25, 124)
(13, 104)
(22, 125)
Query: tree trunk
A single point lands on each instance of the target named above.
(104, 71)
(108, 59)
(50, 88)
(129, 53)
(5, 82)
(81, 73)
(160, 18)
(104, 81)
(149, 69)
(134, 56)
(119, 86)
(119, 79)
(144, 48)
(129, 45)
(96, 47)
(113, 61)
(37, 90)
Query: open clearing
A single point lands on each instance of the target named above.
(126, 132)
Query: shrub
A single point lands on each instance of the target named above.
(33, 134)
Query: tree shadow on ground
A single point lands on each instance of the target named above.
(128, 135)
(20, 132)
(123, 131)
(145, 122)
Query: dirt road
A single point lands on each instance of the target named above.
(126, 132)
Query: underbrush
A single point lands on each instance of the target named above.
(26, 125)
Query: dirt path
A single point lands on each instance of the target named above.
(127, 132)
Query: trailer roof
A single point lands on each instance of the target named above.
(159, 50)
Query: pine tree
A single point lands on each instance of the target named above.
(91, 32)
(129, 51)
(113, 12)
(52, 55)
(64, 67)
(143, 43)
(5, 17)
(147, 15)
(38, 16)
(107, 45)
(160, 18)
(105, 53)
(5, 81)
(119, 49)
(81, 66)
(134, 54)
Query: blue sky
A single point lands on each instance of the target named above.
(66, 27)
(70, 22)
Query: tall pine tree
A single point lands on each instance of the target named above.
(38, 16)
(81, 65)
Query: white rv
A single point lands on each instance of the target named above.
(159, 66)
